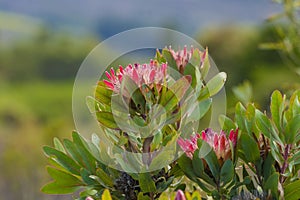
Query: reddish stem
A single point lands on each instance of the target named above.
(285, 163)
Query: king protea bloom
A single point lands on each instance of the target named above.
(149, 74)
(189, 146)
(180, 195)
(220, 142)
(183, 56)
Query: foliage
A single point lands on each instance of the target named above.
(287, 27)
(33, 112)
(267, 146)
(274, 143)
(145, 89)
(126, 105)
(143, 108)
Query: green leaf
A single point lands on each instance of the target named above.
(186, 166)
(246, 180)
(63, 160)
(92, 104)
(243, 92)
(196, 58)
(226, 123)
(240, 113)
(249, 148)
(268, 166)
(197, 164)
(191, 70)
(204, 148)
(64, 183)
(169, 58)
(141, 196)
(216, 83)
(265, 126)
(296, 107)
(106, 119)
(200, 110)
(87, 158)
(146, 183)
(227, 172)
(72, 151)
(103, 94)
(250, 120)
(204, 107)
(292, 129)
(157, 139)
(106, 179)
(130, 87)
(291, 191)
(125, 164)
(294, 96)
(164, 184)
(58, 145)
(296, 158)
(163, 158)
(159, 57)
(85, 175)
(87, 192)
(55, 188)
(213, 86)
(276, 107)
(289, 113)
(212, 161)
(205, 66)
(175, 93)
(276, 152)
(198, 168)
(204, 94)
(272, 184)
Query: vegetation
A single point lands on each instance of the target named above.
(36, 80)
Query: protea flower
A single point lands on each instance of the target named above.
(148, 74)
(183, 56)
(180, 195)
(220, 143)
(189, 146)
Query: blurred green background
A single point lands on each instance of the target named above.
(43, 44)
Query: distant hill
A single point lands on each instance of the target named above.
(113, 16)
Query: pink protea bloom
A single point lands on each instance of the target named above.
(180, 195)
(182, 57)
(220, 143)
(149, 74)
(89, 198)
(189, 146)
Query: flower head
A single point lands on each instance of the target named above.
(219, 142)
(183, 57)
(189, 146)
(180, 195)
(149, 74)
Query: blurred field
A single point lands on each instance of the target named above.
(36, 79)
(30, 115)
(37, 73)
